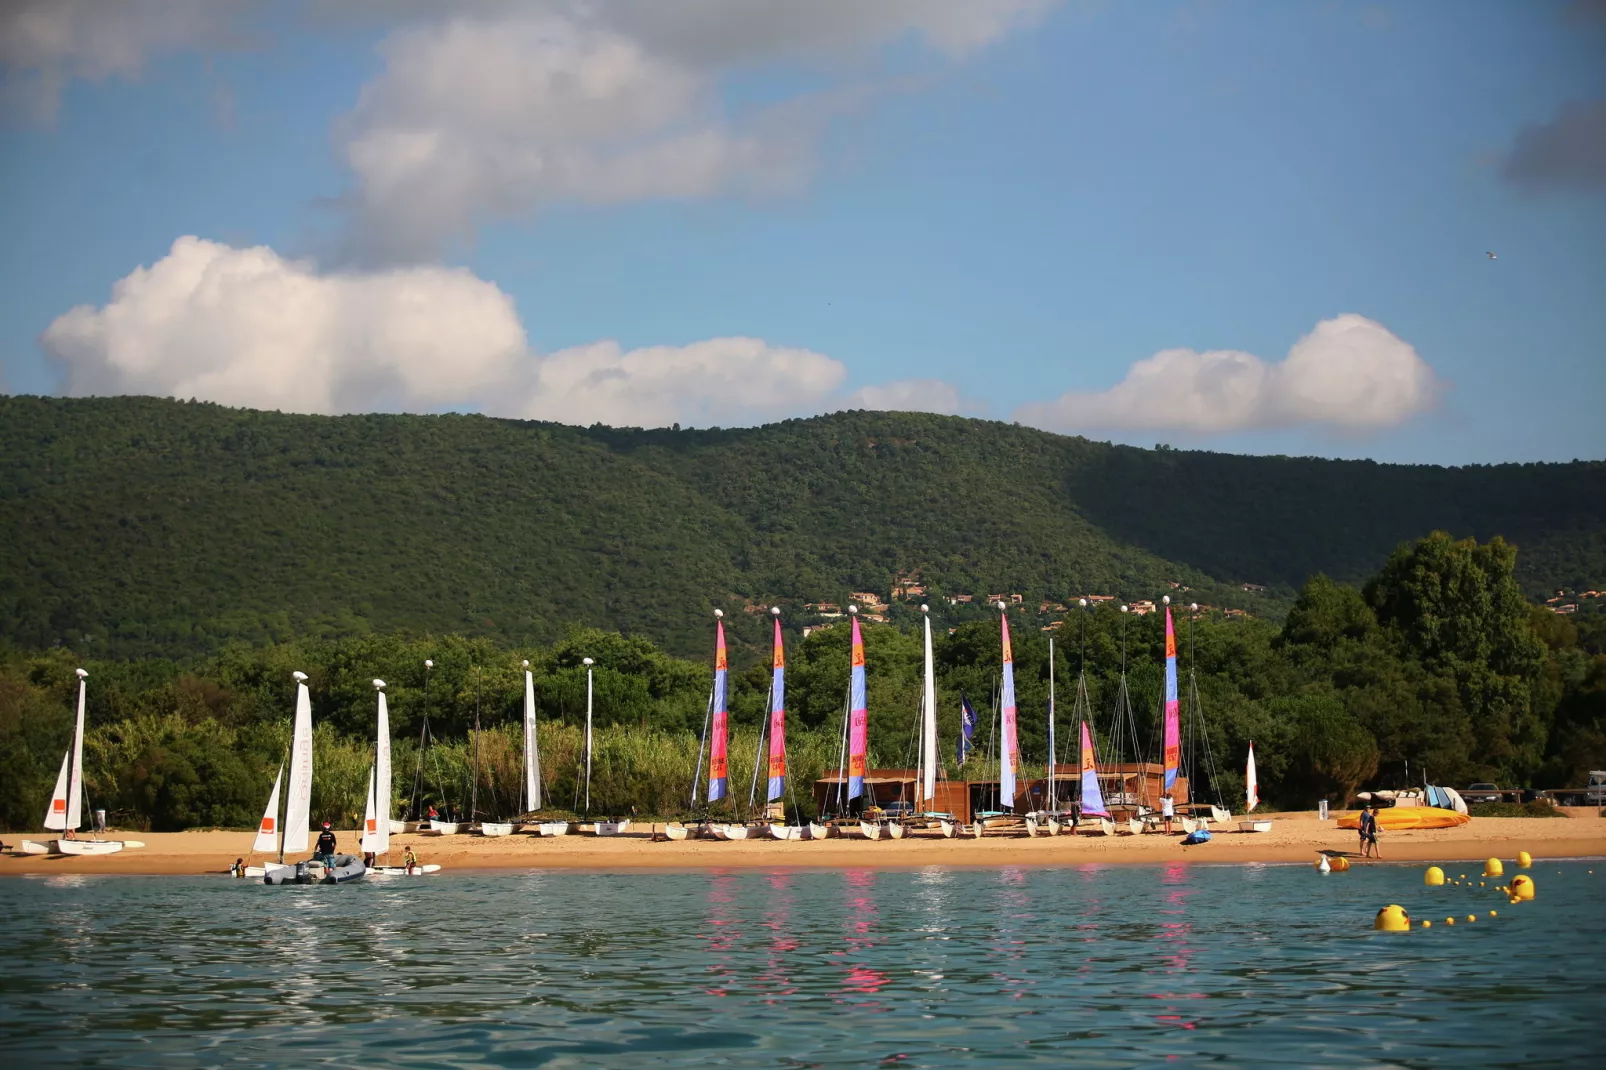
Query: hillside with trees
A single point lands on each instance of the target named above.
(140, 527)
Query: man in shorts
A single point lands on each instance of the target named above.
(1368, 828)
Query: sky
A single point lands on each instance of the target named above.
(1256, 227)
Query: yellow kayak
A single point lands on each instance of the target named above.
(1397, 818)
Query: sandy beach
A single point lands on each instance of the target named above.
(1295, 837)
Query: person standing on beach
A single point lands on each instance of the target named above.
(324, 850)
(1168, 810)
(1368, 827)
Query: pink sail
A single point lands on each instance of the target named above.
(858, 719)
(716, 738)
(1092, 797)
(1010, 766)
(777, 718)
(1173, 733)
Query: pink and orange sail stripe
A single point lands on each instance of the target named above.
(717, 761)
(1173, 734)
(1011, 763)
(777, 719)
(858, 718)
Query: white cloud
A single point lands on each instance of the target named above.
(913, 395)
(46, 43)
(494, 110)
(1349, 373)
(247, 327)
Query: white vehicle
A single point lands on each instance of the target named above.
(1597, 787)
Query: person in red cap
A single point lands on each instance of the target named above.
(325, 850)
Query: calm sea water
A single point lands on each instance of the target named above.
(1103, 966)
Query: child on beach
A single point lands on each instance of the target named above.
(1168, 810)
(1368, 830)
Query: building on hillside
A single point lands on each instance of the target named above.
(1095, 599)
(1143, 608)
(810, 629)
(876, 618)
(828, 610)
(1570, 607)
(1046, 606)
(866, 598)
(1235, 614)
(1257, 588)
(961, 599)
(1053, 626)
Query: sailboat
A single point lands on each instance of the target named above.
(1095, 815)
(1009, 759)
(927, 764)
(292, 834)
(66, 810)
(377, 826)
(775, 792)
(1252, 797)
(604, 827)
(532, 753)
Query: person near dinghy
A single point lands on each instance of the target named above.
(324, 850)
(410, 861)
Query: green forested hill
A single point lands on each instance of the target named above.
(155, 526)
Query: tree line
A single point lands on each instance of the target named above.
(1437, 665)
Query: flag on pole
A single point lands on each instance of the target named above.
(967, 726)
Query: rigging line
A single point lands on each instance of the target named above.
(842, 754)
(758, 755)
(697, 770)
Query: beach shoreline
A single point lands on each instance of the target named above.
(1295, 837)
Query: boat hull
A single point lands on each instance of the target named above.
(676, 832)
(1254, 826)
(441, 828)
(553, 828)
(895, 831)
(611, 828)
(818, 832)
(402, 871)
(1397, 818)
(31, 847)
(87, 847)
(729, 832)
(496, 828)
(869, 831)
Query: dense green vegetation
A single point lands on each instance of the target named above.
(137, 527)
(1437, 660)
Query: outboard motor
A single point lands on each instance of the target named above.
(303, 874)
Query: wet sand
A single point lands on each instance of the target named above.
(1295, 837)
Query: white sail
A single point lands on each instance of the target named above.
(928, 730)
(1251, 781)
(298, 808)
(381, 792)
(532, 752)
(268, 832)
(56, 815)
(588, 735)
(370, 823)
(75, 776)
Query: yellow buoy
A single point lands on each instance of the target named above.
(1426, 924)
(1483, 884)
(1340, 864)
(1449, 921)
(1392, 919)
(1522, 886)
(1494, 868)
(1494, 913)
(1472, 917)
(1434, 877)
(1524, 859)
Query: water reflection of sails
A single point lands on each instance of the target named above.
(775, 980)
(862, 979)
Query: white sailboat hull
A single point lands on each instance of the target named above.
(729, 832)
(948, 828)
(443, 828)
(818, 832)
(1255, 825)
(29, 847)
(402, 871)
(397, 828)
(496, 828)
(1220, 816)
(553, 828)
(676, 832)
(612, 828)
(88, 847)
(1053, 827)
(895, 831)
(1031, 826)
(869, 831)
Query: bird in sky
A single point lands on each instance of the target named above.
(1491, 256)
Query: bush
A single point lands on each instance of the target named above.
(1536, 808)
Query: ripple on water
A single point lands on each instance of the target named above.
(1107, 966)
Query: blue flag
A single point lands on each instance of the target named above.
(967, 722)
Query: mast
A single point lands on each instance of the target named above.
(381, 789)
(298, 801)
(718, 763)
(587, 662)
(1053, 794)
(702, 745)
(859, 715)
(474, 784)
(532, 747)
(75, 778)
(1009, 756)
(423, 743)
(1172, 744)
(928, 722)
(777, 770)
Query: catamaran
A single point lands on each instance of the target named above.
(66, 810)
(376, 823)
(291, 835)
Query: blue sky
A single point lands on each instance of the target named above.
(1116, 220)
